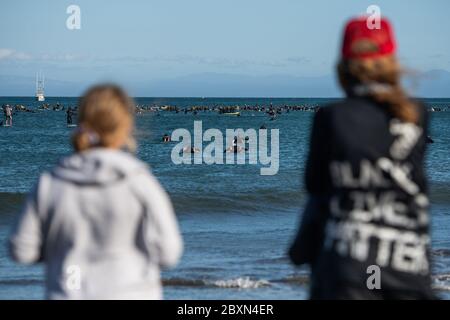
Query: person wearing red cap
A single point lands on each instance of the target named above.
(365, 228)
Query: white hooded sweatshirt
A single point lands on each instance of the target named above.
(103, 226)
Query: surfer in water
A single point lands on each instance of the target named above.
(189, 149)
(69, 114)
(100, 212)
(237, 145)
(166, 138)
(8, 115)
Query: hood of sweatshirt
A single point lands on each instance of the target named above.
(98, 166)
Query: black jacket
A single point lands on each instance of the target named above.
(368, 201)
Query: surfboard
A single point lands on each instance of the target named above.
(232, 114)
(71, 125)
(7, 125)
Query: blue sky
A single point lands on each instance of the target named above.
(150, 45)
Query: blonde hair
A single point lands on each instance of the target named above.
(105, 118)
(384, 72)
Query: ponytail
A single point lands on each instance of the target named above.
(84, 138)
(80, 141)
(398, 104)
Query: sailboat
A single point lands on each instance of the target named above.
(40, 87)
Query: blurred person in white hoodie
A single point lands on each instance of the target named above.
(99, 221)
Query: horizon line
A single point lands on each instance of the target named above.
(212, 97)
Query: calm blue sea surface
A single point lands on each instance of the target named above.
(236, 223)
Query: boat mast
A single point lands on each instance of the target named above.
(40, 86)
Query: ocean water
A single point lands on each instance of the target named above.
(236, 224)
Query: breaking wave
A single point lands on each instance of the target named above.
(238, 283)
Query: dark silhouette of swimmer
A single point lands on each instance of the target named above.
(166, 138)
(235, 147)
(429, 140)
(189, 149)
(69, 114)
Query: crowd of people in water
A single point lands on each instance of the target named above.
(273, 111)
(221, 109)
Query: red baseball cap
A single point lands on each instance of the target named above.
(364, 41)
